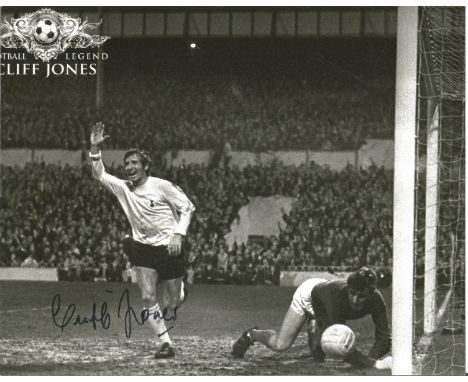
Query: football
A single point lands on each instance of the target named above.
(337, 340)
(45, 31)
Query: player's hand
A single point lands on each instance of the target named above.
(97, 134)
(175, 245)
(384, 363)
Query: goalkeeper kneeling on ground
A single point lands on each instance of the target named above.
(321, 304)
(337, 303)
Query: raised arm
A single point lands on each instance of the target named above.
(111, 182)
(97, 137)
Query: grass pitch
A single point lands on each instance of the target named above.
(205, 328)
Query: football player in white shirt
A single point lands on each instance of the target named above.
(159, 214)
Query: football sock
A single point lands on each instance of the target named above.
(157, 323)
(182, 293)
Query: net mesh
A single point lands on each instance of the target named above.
(442, 33)
(440, 197)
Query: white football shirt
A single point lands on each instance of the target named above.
(156, 209)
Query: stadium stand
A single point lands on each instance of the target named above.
(228, 101)
(46, 214)
(256, 110)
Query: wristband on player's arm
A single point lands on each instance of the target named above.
(95, 156)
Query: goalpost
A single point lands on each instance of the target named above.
(403, 199)
(429, 192)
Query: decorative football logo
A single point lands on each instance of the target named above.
(45, 31)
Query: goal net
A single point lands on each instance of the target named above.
(439, 249)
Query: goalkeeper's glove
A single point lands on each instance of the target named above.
(384, 363)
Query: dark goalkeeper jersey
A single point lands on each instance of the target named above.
(331, 306)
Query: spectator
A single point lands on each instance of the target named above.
(114, 273)
(268, 108)
(227, 155)
(102, 270)
(338, 218)
(14, 262)
(29, 262)
(222, 260)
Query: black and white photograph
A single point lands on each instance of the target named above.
(232, 190)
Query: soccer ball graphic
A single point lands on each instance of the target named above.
(337, 340)
(45, 31)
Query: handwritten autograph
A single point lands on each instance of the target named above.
(100, 316)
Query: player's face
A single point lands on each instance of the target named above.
(357, 299)
(135, 170)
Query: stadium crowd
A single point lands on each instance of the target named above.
(255, 110)
(60, 217)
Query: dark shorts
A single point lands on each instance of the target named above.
(155, 257)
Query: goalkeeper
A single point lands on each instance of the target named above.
(320, 304)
